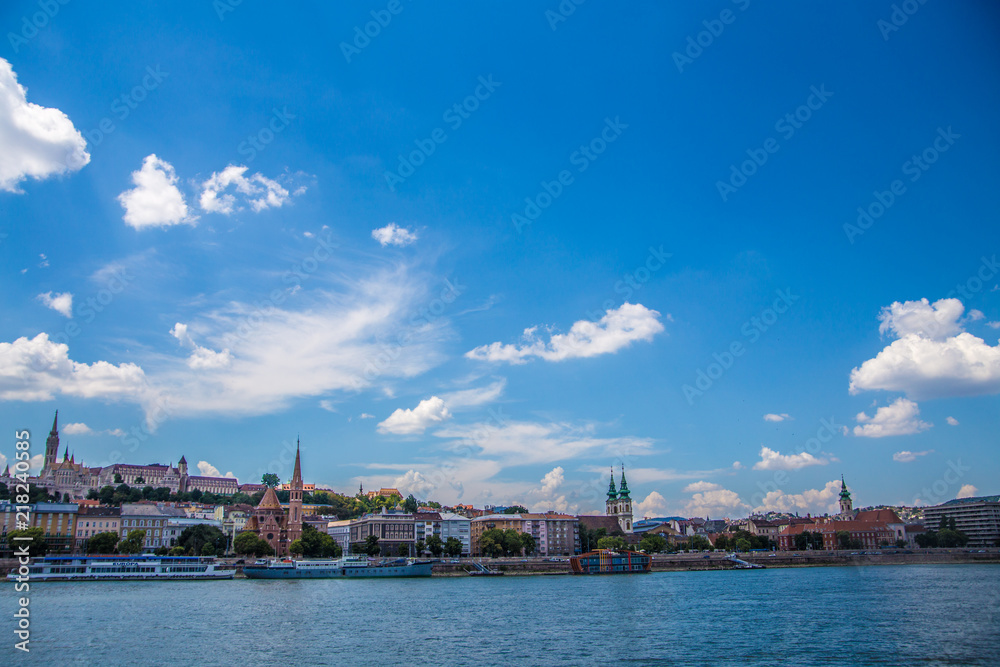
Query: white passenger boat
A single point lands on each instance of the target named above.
(121, 568)
(350, 567)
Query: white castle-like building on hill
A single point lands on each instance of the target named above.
(67, 477)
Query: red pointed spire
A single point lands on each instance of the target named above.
(297, 472)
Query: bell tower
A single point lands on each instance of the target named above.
(295, 500)
(846, 506)
(52, 444)
(624, 505)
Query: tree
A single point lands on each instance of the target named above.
(491, 542)
(612, 543)
(36, 543)
(742, 544)
(178, 551)
(106, 495)
(270, 479)
(403, 549)
(410, 504)
(118, 478)
(516, 509)
(900, 544)
(196, 495)
(318, 545)
(371, 545)
(295, 547)
(93, 494)
(843, 539)
(102, 543)
(699, 543)
(421, 546)
(722, 542)
(512, 543)
(654, 544)
(589, 538)
(133, 543)
(435, 545)
(140, 480)
(528, 544)
(453, 547)
(197, 537)
(927, 540)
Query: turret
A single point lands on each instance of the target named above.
(52, 443)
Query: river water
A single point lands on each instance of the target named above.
(865, 615)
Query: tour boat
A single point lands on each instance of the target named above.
(349, 567)
(120, 568)
(606, 561)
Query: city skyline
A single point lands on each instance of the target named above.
(482, 274)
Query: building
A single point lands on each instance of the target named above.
(979, 518)
(459, 527)
(271, 522)
(340, 531)
(384, 493)
(394, 529)
(619, 503)
(554, 534)
(152, 518)
(763, 528)
(57, 520)
(233, 519)
(871, 534)
(93, 520)
(71, 480)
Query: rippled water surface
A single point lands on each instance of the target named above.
(913, 615)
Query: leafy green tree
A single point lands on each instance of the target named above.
(140, 480)
(410, 504)
(244, 544)
(516, 509)
(106, 495)
(102, 543)
(654, 544)
(421, 546)
(491, 542)
(528, 544)
(270, 479)
(403, 549)
(5, 492)
(843, 539)
(161, 551)
(742, 544)
(435, 545)
(722, 542)
(589, 538)
(37, 545)
(295, 548)
(197, 537)
(177, 551)
(133, 543)
(699, 543)
(612, 543)
(453, 547)
(93, 494)
(118, 478)
(372, 547)
(512, 543)
(951, 538)
(196, 495)
(316, 544)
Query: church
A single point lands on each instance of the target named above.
(619, 503)
(271, 522)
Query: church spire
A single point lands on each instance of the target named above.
(624, 492)
(297, 472)
(612, 493)
(52, 444)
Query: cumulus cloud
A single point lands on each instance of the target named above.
(391, 234)
(155, 201)
(208, 470)
(258, 191)
(37, 141)
(38, 369)
(62, 302)
(816, 501)
(951, 421)
(652, 505)
(899, 418)
(777, 418)
(906, 456)
(967, 491)
(772, 460)
(407, 422)
(716, 502)
(552, 480)
(932, 356)
(201, 358)
(413, 482)
(615, 330)
(77, 428)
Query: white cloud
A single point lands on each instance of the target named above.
(652, 505)
(201, 358)
(62, 302)
(993, 325)
(932, 357)
(77, 428)
(394, 235)
(473, 397)
(208, 470)
(327, 405)
(951, 421)
(777, 418)
(899, 418)
(816, 501)
(37, 141)
(155, 201)
(258, 191)
(413, 482)
(552, 480)
(967, 491)
(717, 502)
(365, 415)
(906, 456)
(615, 330)
(772, 460)
(38, 369)
(699, 487)
(405, 422)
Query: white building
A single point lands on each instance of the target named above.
(457, 526)
(340, 531)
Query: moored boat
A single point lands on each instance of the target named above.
(349, 567)
(606, 561)
(121, 568)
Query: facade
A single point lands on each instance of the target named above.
(233, 519)
(554, 534)
(57, 520)
(459, 527)
(979, 518)
(271, 522)
(340, 531)
(393, 529)
(619, 503)
(872, 535)
(93, 520)
(151, 518)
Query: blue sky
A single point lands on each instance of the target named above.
(486, 253)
